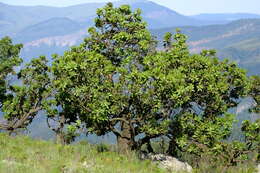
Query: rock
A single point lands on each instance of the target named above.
(167, 162)
(258, 168)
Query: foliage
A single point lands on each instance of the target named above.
(225, 155)
(199, 89)
(117, 81)
(102, 81)
(28, 98)
(119, 35)
(102, 148)
(252, 134)
(255, 92)
(21, 101)
(76, 81)
(197, 135)
(9, 57)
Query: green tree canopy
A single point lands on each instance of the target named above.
(9, 57)
(197, 90)
(28, 97)
(255, 92)
(120, 35)
(102, 80)
(115, 81)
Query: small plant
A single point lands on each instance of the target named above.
(101, 148)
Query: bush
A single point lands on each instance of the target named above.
(102, 148)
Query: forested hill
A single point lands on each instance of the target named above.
(225, 17)
(15, 19)
(46, 30)
(238, 40)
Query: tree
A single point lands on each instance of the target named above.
(120, 35)
(200, 89)
(255, 92)
(9, 57)
(251, 130)
(80, 81)
(26, 99)
(103, 81)
(115, 81)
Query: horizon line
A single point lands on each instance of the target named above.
(65, 6)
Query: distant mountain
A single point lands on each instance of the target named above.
(48, 28)
(16, 19)
(156, 15)
(238, 40)
(225, 17)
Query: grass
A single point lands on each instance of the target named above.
(21, 154)
(24, 155)
(205, 167)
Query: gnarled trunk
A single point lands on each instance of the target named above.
(125, 141)
(172, 149)
(60, 138)
(60, 134)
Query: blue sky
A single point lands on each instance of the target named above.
(182, 6)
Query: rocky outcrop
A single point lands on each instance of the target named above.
(167, 162)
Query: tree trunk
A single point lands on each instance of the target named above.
(172, 149)
(125, 142)
(149, 147)
(60, 138)
(60, 135)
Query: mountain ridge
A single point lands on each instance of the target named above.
(237, 40)
(26, 16)
(230, 40)
(58, 28)
(225, 17)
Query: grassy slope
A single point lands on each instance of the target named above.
(24, 155)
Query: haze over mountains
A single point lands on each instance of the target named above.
(46, 30)
(238, 41)
(225, 17)
(14, 19)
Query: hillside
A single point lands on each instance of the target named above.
(51, 27)
(238, 40)
(22, 154)
(16, 19)
(225, 17)
(46, 30)
(155, 15)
